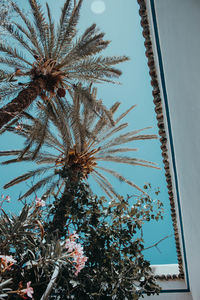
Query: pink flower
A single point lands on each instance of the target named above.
(8, 258)
(28, 291)
(79, 258)
(3, 199)
(70, 245)
(80, 263)
(79, 248)
(6, 262)
(73, 236)
(76, 252)
(39, 202)
(7, 198)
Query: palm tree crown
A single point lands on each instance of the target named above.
(56, 61)
(78, 141)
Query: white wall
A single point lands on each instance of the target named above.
(172, 296)
(179, 34)
(175, 285)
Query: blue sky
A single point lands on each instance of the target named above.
(121, 22)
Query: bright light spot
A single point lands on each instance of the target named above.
(98, 7)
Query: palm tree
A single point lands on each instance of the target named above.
(56, 61)
(70, 142)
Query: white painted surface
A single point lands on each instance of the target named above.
(173, 296)
(177, 285)
(179, 27)
(168, 269)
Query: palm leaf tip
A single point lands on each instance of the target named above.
(11, 152)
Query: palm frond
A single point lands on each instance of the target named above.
(79, 131)
(121, 178)
(112, 60)
(98, 128)
(124, 114)
(111, 151)
(13, 53)
(3, 75)
(93, 67)
(33, 36)
(64, 19)
(9, 88)
(46, 159)
(26, 149)
(88, 115)
(35, 135)
(107, 185)
(115, 107)
(62, 124)
(127, 160)
(128, 137)
(41, 24)
(11, 152)
(51, 32)
(41, 135)
(115, 130)
(26, 34)
(65, 14)
(102, 125)
(102, 186)
(50, 138)
(37, 186)
(88, 78)
(14, 63)
(23, 131)
(68, 33)
(89, 44)
(9, 127)
(88, 99)
(26, 176)
(16, 160)
(51, 189)
(19, 37)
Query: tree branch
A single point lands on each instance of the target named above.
(51, 282)
(156, 244)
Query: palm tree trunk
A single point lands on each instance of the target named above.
(60, 217)
(65, 206)
(21, 102)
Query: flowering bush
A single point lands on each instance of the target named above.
(41, 255)
(39, 202)
(30, 259)
(76, 252)
(112, 237)
(3, 200)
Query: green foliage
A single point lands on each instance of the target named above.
(111, 234)
(35, 253)
(112, 237)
